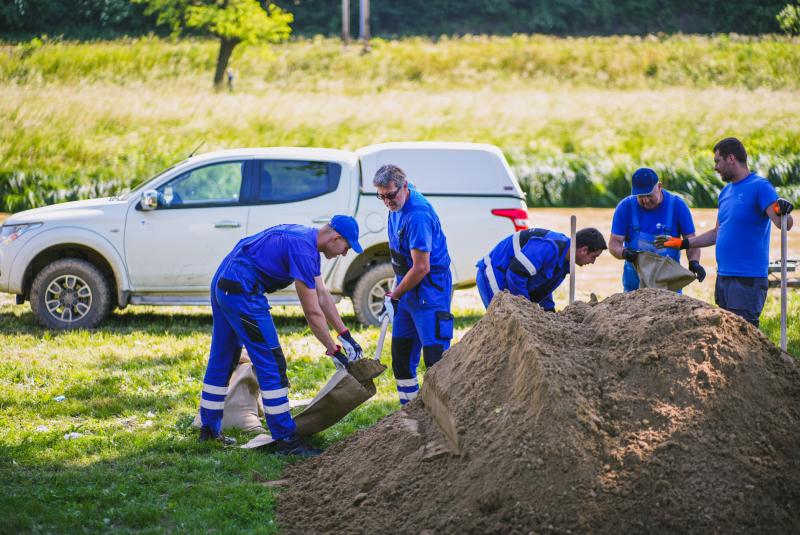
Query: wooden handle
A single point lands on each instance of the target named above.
(784, 296)
(573, 224)
(381, 338)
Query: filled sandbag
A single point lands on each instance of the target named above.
(243, 406)
(661, 272)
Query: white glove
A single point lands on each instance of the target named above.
(350, 346)
(389, 308)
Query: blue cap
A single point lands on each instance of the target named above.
(643, 181)
(348, 228)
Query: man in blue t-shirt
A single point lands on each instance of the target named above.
(650, 211)
(533, 263)
(270, 261)
(419, 304)
(746, 206)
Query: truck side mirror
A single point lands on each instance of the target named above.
(149, 199)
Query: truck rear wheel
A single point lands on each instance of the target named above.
(70, 294)
(369, 293)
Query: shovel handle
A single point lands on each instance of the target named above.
(784, 297)
(381, 338)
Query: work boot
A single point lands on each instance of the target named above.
(294, 445)
(206, 435)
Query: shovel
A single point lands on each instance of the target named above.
(381, 338)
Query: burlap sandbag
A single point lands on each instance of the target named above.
(243, 406)
(661, 272)
(338, 397)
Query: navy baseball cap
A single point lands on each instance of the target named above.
(348, 228)
(643, 181)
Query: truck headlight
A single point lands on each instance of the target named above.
(9, 233)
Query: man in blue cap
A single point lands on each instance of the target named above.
(270, 261)
(419, 305)
(533, 263)
(650, 211)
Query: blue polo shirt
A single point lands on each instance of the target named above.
(284, 253)
(653, 221)
(417, 226)
(744, 227)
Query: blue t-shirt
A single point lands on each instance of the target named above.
(653, 221)
(743, 235)
(421, 230)
(285, 253)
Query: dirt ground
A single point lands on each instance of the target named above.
(647, 412)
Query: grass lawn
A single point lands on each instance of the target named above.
(146, 364)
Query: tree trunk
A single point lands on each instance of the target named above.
(226, 46)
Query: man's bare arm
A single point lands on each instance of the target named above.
(616, 246)
(328, 307)
(707, 239)
(421, 267)
(694, 252)
(314, 315)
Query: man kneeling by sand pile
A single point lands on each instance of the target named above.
(644, 413)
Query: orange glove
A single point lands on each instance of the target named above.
(670, 243)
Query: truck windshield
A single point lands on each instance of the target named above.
(144, 185)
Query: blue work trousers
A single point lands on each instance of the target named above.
(423, 326)
(244, 318)
(744, 296)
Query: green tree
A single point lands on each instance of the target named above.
(231, 21)
(789, 19)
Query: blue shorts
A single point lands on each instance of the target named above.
(744, 296)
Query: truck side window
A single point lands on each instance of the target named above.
(216, 184)
(292, 180)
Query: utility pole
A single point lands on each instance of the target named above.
(364, 25)
(346, 22)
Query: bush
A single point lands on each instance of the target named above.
(789, 19)
(580, 181)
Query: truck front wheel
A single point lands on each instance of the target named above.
(70, 294)
(369, 293)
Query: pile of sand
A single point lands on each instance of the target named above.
(649, 412)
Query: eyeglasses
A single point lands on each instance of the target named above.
(390, 196)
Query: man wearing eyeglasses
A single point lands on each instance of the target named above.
(419, 305)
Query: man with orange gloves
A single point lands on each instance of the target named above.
(746, 206)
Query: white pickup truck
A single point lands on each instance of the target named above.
(161, 243)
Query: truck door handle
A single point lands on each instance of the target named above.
(322, 220)
(227, 224)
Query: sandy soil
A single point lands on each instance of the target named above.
(648, 412)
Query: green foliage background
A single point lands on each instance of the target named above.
(86, 19)
(82, 120)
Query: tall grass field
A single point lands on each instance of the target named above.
(574, 116)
